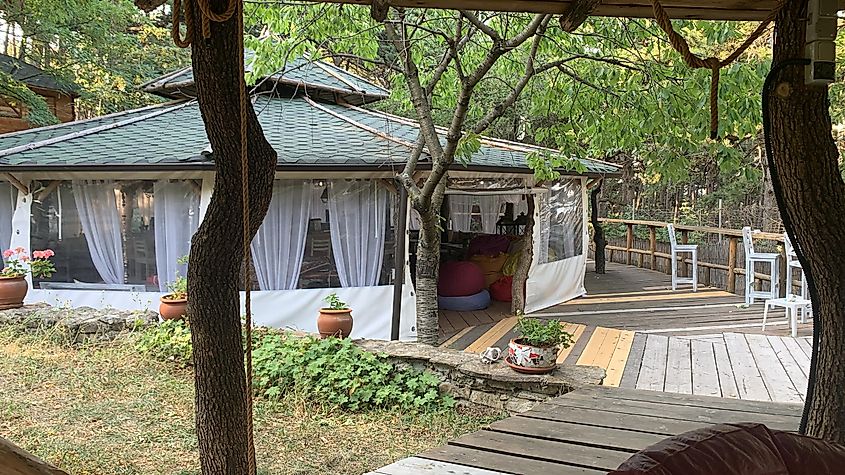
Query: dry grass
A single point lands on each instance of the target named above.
(108, 410)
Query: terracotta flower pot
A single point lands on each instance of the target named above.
(334, 322)
(12, 292)
(531, 358)
(172, 309)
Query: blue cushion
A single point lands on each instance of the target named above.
(478, 301)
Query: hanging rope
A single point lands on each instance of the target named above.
(712, 63)
(208, 15)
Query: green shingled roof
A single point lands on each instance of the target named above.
(34, 76)
(305, 134)
(310, 76)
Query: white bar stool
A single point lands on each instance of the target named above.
(752, 258)
(676, 249)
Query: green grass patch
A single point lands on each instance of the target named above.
(113, 409)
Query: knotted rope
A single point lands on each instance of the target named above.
(712, 63)
(208, 15)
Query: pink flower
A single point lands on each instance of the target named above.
(49, 253)
(38, 254)
(8, 253)
(20, 250)
(24, 258)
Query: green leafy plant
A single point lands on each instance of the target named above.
(536, 332)
(169, 340)
(333, 302)
(178, 287)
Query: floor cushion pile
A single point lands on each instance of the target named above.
(468, 303)
(488, 245)
(461, 287)
(491, 266)
(502, 289)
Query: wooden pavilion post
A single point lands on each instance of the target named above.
(731, 283)
(399, 261)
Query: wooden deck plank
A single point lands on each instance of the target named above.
(807, 346)
(546, 450)
(635, 359)
(778, 382)
(471, 336)
(727, 379)
(796, 374)
(573, 432)
(678, 367)
(579, 345)
(705, 377)
(605, 352)
(653, 370)
(505, 462)
(457, 336)
(588, 356)
(619, 358)
(650, 298)
(633, 422)
(798, 354)
(749, 381)
(491, 336)
(421, 466)
(576, 330)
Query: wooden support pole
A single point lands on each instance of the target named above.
(731, 284)
(782, 274)
(629, 243)
(652, 246)
(399, 235)
(48, 190)
(577, 12)
(17, 183)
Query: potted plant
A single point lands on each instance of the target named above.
(174, 304)
(537, 347)
(335, 319)
(17, 264)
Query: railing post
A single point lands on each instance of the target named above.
(629, 242)
(685, 240)
(652, 246)
(731, 283)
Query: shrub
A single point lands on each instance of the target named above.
(536, 332)
(169, 340)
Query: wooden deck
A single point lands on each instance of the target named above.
(588, 431)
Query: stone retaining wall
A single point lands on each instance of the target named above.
(496, 385)
(80, 325)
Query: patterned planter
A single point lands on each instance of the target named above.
(12, 292)
(172, 309)
(528, 358)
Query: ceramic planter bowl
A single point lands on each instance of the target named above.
(334, 322)
(12, 292)
(533, 359)
(172, 309)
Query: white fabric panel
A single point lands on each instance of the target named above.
(177, 214)
(294, 309)
(358, 220)
(279, 244)
(460, 212)
(7, 209)
(490, 206)
(97, 206)
(554, 283)
(318, 208)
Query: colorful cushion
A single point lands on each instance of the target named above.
(459, 279)
(511, 264)
(491, 266)
(468, 303)
(488, 245)
(501, 290)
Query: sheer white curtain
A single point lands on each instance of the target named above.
(8, 201)
(176, 213)
(490, 206)
(460, 212)
(97, 206)
(358, 216)
(279, 244)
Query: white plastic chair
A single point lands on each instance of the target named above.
(792, 303)
(676, 249)
(752, 258)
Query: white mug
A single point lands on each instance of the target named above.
(490, 355)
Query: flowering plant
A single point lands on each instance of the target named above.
(17, 263)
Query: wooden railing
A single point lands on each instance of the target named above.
(648, 257)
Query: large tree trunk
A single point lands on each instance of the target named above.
(428, 268)
(598, 232)
(811, 200)
(523, 266)
(216, 251)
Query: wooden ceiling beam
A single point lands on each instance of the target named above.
(577, 12)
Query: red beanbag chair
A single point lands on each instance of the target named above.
(488, 245)
(501, 290)
(459, 279)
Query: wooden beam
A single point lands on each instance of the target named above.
(16, 183)
(16, 461)
(577, 12)
(48, 190)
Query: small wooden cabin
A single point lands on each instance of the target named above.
(60, 97)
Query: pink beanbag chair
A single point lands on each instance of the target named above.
(459, 279)
(502, 289)
(488, 245)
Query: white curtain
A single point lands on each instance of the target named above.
(279, 244)
(97, 206)
(176, 214)
(358, 216)
(460, 212)
(490, 206)
(8, 201)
